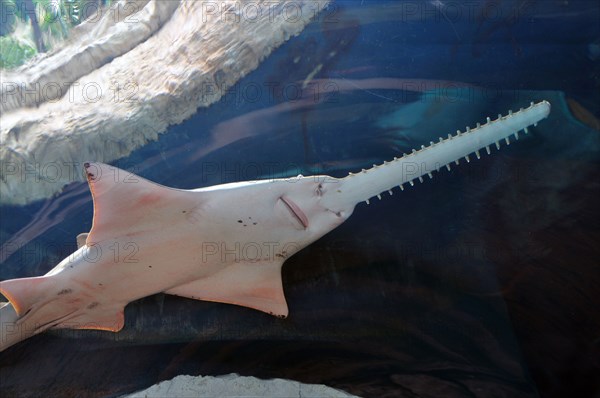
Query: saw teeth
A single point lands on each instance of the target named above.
(367, 202)
(457, 161)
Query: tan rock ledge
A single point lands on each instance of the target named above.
(124, 77)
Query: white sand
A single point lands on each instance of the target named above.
(233, 385)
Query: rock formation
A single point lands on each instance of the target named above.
(124, 77)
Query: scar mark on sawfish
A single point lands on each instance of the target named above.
(65, 291)
(93, 305)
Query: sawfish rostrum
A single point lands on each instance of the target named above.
(224, 243)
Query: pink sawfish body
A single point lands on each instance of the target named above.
(224, 243)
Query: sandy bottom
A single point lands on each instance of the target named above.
(233, 385)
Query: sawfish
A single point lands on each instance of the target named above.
(225, 243)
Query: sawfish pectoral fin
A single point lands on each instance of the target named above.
(125, 203)
(256, 285)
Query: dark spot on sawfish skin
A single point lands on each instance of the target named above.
(65, 291)
(93, 305)
(89, 173)
(240, 221)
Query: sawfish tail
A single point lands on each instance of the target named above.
(363, 186)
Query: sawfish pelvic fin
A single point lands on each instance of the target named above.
(224, 243)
